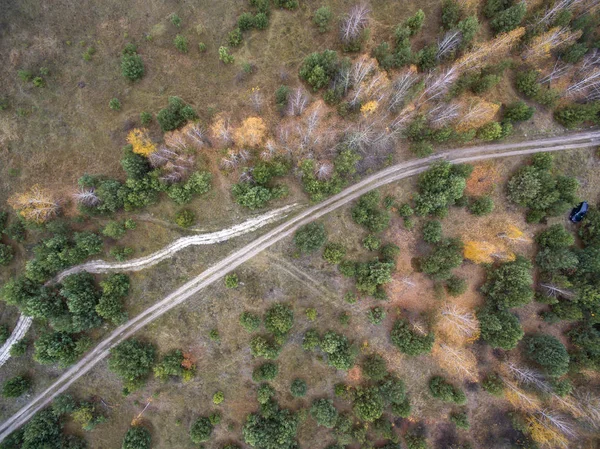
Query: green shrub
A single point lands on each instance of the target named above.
(260, 346)
(63, 404)
(372, 242)
(275, 429)
(265, 393)
(432, 231)
(500, 328)
(298, 388)
(415, 22)
(279, 319)
(421, 149)
(201, 430)
(490, 131)
(574, 53)
(414, 441)
(175, 20)
(245, 21)
(281, 97)
(562, 387)
(426, 59)
(15, 386)
(322, 17)
(181, 43)
(527, 83)
(536, 187)
(137, 437)
(318, 69)
(311, 314)
(287, 4)
(114, 230)
(460, 419)
(310, 237)
(576, 114)
(480, 206)
(214, 335)
(444, 257)
(170, 365)
(249, 321)
(510, 284)
(132, 66)
(261, 21)
(548, 352)
(508, 19)
(451, 14)
(201, 47)
(456, 286)
(18, 349)
(334, 253)
(374, 367)
(518, 112)
(89, 52)
(218, 397)
(225, 56)
(132, 360)
(311, 340)
(6, 254)
(367, 213)
(367, 404)
(235, 37)
(121, 253)
(114, 104)
(440, 187)
(445, 391)
(266, 371)
(324, 413)
(25, 75)
(175, 115)
(232, 280)
(340, 354)
(185, 218)
(410, 341)
(376, 315)
(493, 384)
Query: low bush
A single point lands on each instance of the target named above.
(185, 218)
(201, 430)
(410, 341)
(324, 413)
(548, 352)
(432, 231)
(137, 437)
(445, 391)
(298, 388)
(322, 17)
(250, 321)
(266, 371)
(493, 384)
(334, 253)
(310, 237)
(15, 387)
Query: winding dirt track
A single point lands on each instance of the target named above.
(101, 266)
(286, 229)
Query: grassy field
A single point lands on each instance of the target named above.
(53, 135)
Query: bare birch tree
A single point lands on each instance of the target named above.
(354, 23)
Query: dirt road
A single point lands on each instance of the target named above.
(286, 229)
(101, 266)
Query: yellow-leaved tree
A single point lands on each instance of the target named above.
(140, 141)
(251, 132)
(37, 204)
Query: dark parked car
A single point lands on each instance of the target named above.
(579, 212)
